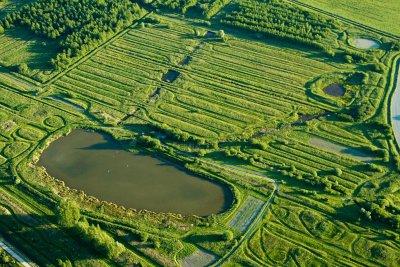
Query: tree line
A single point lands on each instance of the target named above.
(283, 20)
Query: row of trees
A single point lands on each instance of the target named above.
(282, 20)
(79, 26)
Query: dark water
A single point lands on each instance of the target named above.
(336, 90)
(171, 76)
(98, 165)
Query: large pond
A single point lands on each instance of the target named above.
(99, 165)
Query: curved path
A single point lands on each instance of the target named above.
(395, 104)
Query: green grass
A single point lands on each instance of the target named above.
(220, 92)
(234, 115)
(382, 15)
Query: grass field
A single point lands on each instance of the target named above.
(382, 15)
(195, 103)
(314, 177)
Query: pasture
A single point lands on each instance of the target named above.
(313, 174)
(380, 15)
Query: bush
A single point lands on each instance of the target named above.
(99, 239)
(338, 172)
(227, 235)
(68, 213)
(23, 68)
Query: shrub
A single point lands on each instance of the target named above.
(99, 239)
(227, 235)
(23, 68)
(68, 213)
(338, 172)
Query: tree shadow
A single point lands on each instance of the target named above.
(34, 50)
(201, 238)
(43, 241)
(348, 213)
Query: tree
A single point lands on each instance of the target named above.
(227, 235)
(66, 263)
(77, 26)
(99, 239)
(338, 172)
(68, 213)
(348, 59)
(23, 68)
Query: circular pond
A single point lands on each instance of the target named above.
(336, 90)
(99, 165)
(364, 43)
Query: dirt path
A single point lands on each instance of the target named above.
(18, 256)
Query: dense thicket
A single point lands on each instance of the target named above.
(207, 8)
(281, 19)
(78, 25)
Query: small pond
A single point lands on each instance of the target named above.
(99, 165)
(171, 76)
(364, 43)
(336, 90)
(357, 154)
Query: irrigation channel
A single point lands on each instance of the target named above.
(395, 104)
(102, 167)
